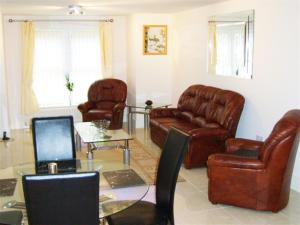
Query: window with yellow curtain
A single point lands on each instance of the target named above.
(62, 49)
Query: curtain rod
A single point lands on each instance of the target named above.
(60, 20)
(212, 21)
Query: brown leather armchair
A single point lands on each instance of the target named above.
(256, 174)
(106, 100)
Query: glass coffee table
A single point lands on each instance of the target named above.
(142, 108)
(90, 134)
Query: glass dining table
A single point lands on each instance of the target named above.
(112, 199)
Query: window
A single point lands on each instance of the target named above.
(65, 49)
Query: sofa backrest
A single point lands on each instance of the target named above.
(106, 93)
(211, 107)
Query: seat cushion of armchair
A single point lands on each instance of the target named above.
(235, 161)
(97, 114)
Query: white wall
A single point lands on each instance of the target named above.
(4, 122)
(275, 86)
(152, 74)
(12, 40)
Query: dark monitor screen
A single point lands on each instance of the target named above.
(53, 138)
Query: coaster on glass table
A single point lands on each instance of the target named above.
(7, 187)
(123, 178)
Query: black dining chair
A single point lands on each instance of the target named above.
(62, 199)
(161, 213)
(53, 141)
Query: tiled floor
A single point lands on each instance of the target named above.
(192, 206)
(191, 203)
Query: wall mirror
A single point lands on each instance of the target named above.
(230, 46)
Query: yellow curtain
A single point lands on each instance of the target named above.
(29, 103)
(105, 29)
(212, 35)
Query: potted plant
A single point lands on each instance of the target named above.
(70, 86)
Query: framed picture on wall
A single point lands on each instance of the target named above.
(155, 39)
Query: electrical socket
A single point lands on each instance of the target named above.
(259, 138)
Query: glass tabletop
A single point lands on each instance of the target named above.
(144, 106)
(111, 200)
(89, 133)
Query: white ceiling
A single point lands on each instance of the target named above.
(99, 7)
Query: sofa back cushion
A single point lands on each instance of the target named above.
(196, 98)
(211, 107)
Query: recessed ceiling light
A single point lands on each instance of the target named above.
(75, 10)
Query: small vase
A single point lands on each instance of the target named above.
(70, 98)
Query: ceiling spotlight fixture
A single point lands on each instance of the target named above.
(75, 10)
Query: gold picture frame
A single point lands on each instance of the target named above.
(155, 40)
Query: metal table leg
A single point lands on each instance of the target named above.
(77, 141)
(89, 154)
(129, 120)
(126, 153)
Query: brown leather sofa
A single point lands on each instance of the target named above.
(256, 174)
(106, 100)
(210, 115)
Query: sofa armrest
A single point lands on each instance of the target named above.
(119, 107)
(163, 112)
(235, 144)
(225, 160)
(215, 133)
(85, 107)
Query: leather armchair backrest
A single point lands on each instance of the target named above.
(283, 140)
(212, 106)
(107, 90)
(279, 153)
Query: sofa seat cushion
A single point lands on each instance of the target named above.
(181, 125)
(185, 115)
(202, 122)
(164, 120)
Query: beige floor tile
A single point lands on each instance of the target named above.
(206, 217)
(254, 217)
(190, 200)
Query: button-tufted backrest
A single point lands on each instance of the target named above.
(107, 92)
(211, 107)
(196, 98)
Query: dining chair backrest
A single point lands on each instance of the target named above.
(53, 138)
(168, 169)
(62, 199)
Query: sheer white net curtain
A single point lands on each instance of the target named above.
(65, 49)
